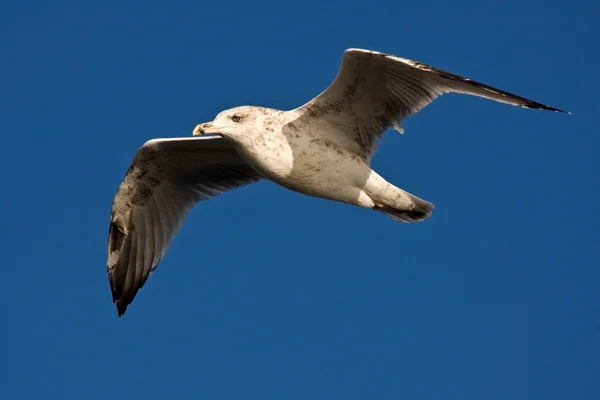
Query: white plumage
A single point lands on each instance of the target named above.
(321, 149)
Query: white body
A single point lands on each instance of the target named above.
(295, 156)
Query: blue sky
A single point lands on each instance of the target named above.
(267, 294)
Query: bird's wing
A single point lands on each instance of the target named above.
(375, 91)
(165, 180)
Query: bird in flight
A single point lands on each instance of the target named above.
(321, 149)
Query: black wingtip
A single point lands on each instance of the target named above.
(527, 103)
(121, 308)
(539, 106)
(548, 108)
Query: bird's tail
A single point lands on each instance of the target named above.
(419, 210)
(395, 202)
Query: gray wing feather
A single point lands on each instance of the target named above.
(374, 91)
(166, 179)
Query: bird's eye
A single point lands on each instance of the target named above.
(236, 118)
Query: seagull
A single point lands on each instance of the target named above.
(321, 149)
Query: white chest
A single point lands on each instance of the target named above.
(305, 164)
(270, 154)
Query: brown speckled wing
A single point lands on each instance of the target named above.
(166, 179)
(374, 91)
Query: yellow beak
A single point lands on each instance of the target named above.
(204, 129)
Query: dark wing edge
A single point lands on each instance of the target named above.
(460, 84)
(165, 180)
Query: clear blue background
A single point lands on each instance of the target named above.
(267, 294)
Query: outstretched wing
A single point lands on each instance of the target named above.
(375, 91)
(165, 180)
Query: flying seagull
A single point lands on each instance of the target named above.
(321, 149)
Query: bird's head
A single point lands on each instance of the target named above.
(233, 123)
